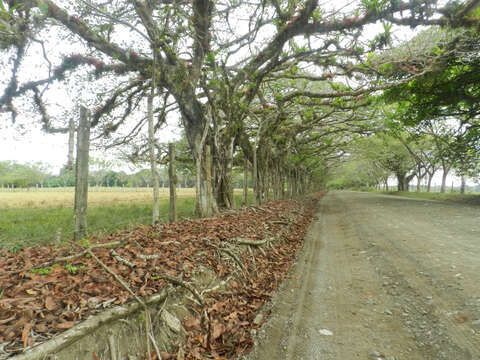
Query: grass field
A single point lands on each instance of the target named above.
(470, 198)
(63, 197)
(35, 217)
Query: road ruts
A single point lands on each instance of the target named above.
(380, 277)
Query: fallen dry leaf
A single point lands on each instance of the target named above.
(65, 325)
(217, 330)
(50, 303)
(26, 333)
(46, 302)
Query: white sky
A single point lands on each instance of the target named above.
(37, 146)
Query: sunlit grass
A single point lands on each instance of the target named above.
(63, 197)
(471, 198)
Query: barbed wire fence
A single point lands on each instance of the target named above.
(27, 220)
(40, 224)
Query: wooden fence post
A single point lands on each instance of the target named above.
(81, 175)
(71, 143)
(245, 181)
(172, 176)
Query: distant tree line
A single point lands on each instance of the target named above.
(36, 174)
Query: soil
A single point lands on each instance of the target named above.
(380, 277)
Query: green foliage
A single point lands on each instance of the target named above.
(74, 269)
(23, 175)
(43, 6)
(42, 271)
(452, 88)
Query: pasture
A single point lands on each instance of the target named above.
(39, 216)
(63, 197)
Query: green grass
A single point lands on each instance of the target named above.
(447, 196)
(25, 227)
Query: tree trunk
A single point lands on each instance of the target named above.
(429, 182)
(172, 177)
(444, 179)
(81, 176)
(153, 160)
(71, 144)
(463, 184)
(224, 165)
(256, 194)
(402, 182)
(245, 181)
(205, 204)
(294, 184)
(196, 124)
(419, 183)
(267, 182)
(277, 191)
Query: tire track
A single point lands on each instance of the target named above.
(438, 335)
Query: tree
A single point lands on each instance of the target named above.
(443, 102)
(23, 175)
(198, 64)
(389, 154)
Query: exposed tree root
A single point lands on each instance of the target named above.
(121, 260)
(197, 296)
(64, 339)
(148, 257)
(242, 241)
(280, 222)
(183, 284)
(233, 256)
(148, 320)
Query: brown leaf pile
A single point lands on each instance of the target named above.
(35, 306)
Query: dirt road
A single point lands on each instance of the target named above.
(381, 277)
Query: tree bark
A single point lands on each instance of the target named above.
(444, 179)
(429, 182)
(196, 125)
(71, 144)
(205, 204)
(463, 184)
(255, 177)
(153, 160)
(419, 182)
(402, 182)
(172, 176)
(245, 181)
(224, 174)
(81, 176)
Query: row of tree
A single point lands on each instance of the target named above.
(431, 124)
(280, 88)
(17, 175)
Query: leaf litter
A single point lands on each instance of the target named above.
(38, 301)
